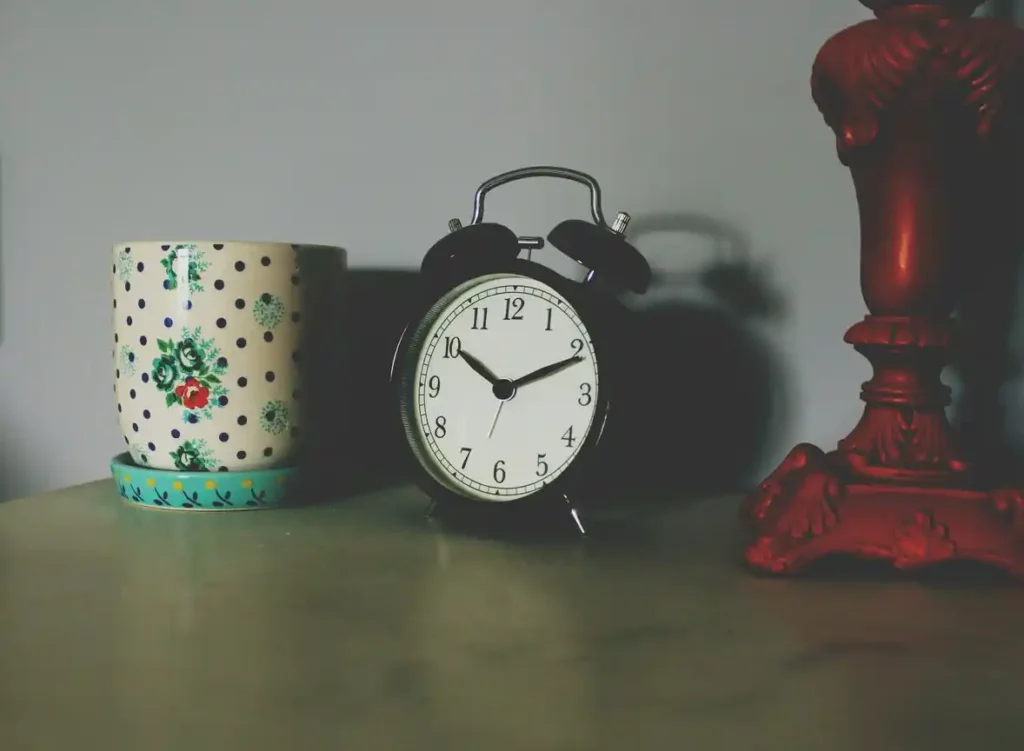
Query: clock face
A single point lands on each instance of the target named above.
(505, 388)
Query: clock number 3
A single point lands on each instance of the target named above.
(586, 396)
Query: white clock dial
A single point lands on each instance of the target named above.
(479, 422)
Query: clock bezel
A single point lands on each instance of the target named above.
(561, 490)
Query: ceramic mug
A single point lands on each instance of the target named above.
(206, 349)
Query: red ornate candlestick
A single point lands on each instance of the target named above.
(925, 103)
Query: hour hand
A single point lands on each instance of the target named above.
(546, 371)
(479, 367)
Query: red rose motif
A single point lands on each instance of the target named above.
(193, 394)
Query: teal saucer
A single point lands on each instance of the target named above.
(202, 491)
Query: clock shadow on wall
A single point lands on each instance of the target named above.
(695, 414)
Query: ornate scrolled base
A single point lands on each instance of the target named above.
(807, 510)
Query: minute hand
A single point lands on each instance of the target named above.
(546, 371)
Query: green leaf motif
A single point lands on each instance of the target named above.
(171, 399)
(210, 379)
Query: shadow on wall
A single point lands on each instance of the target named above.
(703, 400)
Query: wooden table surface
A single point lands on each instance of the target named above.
(359, 626)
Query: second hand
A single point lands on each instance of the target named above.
(494, 422)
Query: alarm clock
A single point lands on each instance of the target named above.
(504, 377)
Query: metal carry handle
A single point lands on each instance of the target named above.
(522, 173)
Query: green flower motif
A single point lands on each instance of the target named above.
(193, 456)
(268, 310)
(274, 417)
(124, 265)
(126, 361)
(194, 262)
(190, 356)
(165, 372)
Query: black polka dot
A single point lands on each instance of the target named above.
(223, 437)
(296, 317)
(270, 376)
(131, 357)
(143, 340)
(132, 393)
(265, 261)
(115, 303)
(267, 336)
(266, 298)
(135, 427)
(175, 433)
(192, 418)
(113, 268)
(127, 286)
(268, 451)
(115, 338)
(168, 322)
(222, 400)
(188, 305)
(295, 395)
(145, 377)
(218, 246)
(242, 381)
(240, 342)
(165, 247)
(151, 446)
(126, 439)
(219, 284)
(295, 279)
(239, 266)
(221, 323)
(167, 283)
(147, 414)
(222, 362)
(142, 303)
(117, 373)
(239, 303)
(140, 266)
(128, 320)
(240, 454)
(222, 468)
(119, 406)
(242, 420)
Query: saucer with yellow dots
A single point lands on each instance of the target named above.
(202, 491)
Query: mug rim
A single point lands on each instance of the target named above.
(129, 243)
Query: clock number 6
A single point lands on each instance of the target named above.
(499, 471)
(585, 394)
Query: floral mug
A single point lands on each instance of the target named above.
(206, 351)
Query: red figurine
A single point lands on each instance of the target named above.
(925, 102)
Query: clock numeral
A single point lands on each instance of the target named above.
(467, 452)
(452, 347)
(499, 471)
(577, 347)
(542, 466)
(547, 325)
(585, 394)
(569, 438)
(479, 319)
(440, 427)
(514, 308)
(434, 386)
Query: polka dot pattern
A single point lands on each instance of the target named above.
(206, 375)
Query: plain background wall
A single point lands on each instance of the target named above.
(367, 125)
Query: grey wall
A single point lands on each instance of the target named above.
(368, 124)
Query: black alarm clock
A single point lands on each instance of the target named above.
(504, 377)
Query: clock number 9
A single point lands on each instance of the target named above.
(585, 395)
(440, 427)
(434, 386)
(499, 471)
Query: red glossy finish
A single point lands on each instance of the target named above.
(925, 102)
